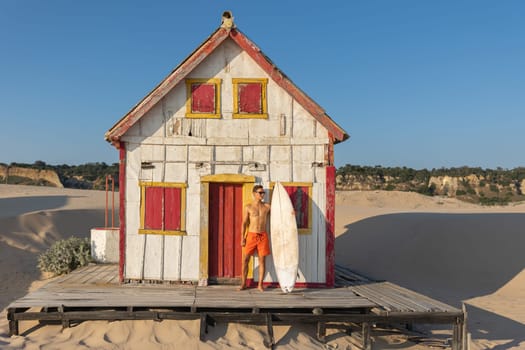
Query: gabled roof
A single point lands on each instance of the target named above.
(193, 60)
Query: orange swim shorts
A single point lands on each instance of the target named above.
(257, 241)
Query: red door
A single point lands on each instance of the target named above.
(225, 220)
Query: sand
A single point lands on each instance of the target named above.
(452, 251)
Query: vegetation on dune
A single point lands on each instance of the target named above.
(404, 174)
(473, 184)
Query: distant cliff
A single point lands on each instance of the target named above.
(485, 186)
(85, 176)
(29, 176)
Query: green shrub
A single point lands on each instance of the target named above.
(427, 190)
(494, 188)
(19, 180)
(460, 193)
(493, 201)
(65, 255)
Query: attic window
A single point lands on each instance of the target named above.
(249, 98)
(203, 98)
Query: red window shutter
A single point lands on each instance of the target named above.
(153, 208)
(172, 208)
(203, 98)
(250, 98)
(299, 197)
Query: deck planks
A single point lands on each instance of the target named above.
(97, 285)
(390, 297)
(89, 287)
(93, 293)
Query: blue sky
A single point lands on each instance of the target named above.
(422, 84)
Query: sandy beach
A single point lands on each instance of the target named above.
(449, 250)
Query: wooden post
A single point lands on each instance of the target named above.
(122, 211)
(367, 341)
(458, 331)
(65, 321)
(321, 331)
(269, 325)
(465, 335)
(203, 326)
(13, 323)
(456, 344)
(330, 224)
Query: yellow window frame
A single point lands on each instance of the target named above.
(264, 104)
(309, 185)
(215, 81)
(143, 185)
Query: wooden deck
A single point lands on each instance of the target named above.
(94, 293)
(390, 298)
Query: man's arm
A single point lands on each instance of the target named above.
(267, 226)
(244, 226)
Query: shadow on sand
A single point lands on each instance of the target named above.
(21, 205)
(24, 238)
(449, 257)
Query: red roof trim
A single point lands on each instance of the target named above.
(197, 57)
(179, 73)
(281, 80)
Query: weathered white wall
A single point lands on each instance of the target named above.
(286, 144)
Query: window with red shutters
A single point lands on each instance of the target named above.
(162, 208)
(299, 195)
(249, 98)
(203, 98)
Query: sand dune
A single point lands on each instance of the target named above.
(449, 250)
(446, 249)
(31, 219)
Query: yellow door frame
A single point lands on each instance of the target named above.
(248, 182)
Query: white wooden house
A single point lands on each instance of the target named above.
(191, 151)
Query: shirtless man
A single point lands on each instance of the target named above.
(254, 235)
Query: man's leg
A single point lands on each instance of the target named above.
(262, 270)
(244, 270)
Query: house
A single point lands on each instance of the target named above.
(191, 151)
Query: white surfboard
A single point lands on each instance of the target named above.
(285, 241)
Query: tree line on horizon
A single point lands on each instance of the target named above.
(409, 174)
(473, 184)
(92, 175)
